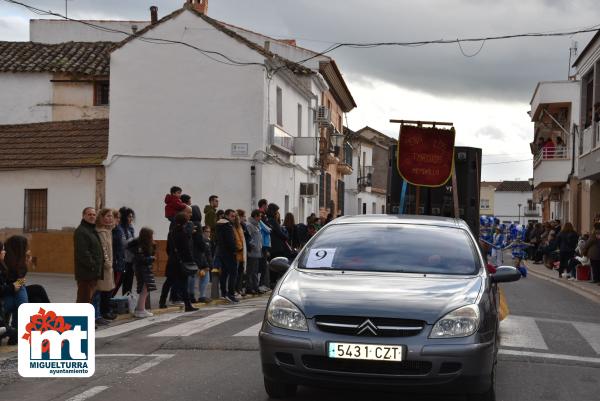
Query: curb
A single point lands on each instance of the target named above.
(6, 350)
(176, 308)
(584, 292)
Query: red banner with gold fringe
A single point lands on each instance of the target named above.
(425, 155)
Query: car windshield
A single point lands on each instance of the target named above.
(392, 248)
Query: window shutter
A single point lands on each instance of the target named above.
(341, 188)
(327, 188)
(322, 189)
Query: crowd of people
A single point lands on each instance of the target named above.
(557, 246)
(229, 246)
(561, 248)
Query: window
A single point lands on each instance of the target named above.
(364, 208)
(36, 210)
(101, 90)
(279, 107)
(286, 204)
(359, 208)
(382, 209)
(327, 189)
(299, 120)
(398, 248)
(484, 204)
(322, 189)
(374, 208)
(341, 186)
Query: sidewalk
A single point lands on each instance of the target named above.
(586, 288)
(62, 288)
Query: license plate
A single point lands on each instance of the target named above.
(373, 352)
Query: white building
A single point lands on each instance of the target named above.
(366, 187)
(555, 112)
(513, 203)
(588, 149)
(181, 118)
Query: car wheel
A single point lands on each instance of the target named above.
(490, 393)
(279, 390)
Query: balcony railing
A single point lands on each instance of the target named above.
(281, 139)
(557, 153)
(531, 213)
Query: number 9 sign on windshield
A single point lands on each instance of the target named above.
(320, 257)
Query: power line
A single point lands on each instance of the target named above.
(207, 53)
(333, 47)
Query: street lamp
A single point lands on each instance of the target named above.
(337, 140)
(519, 214)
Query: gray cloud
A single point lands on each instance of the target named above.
(491, 133)
(504, 70)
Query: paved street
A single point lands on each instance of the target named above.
(550, 351)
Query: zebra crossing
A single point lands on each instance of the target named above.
(523, 333)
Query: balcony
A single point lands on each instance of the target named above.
(344, 168)
(531, 213)
(551, 167)
(281, 140)
(589, 161)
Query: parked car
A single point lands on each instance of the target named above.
(389, 301)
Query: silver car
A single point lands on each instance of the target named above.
(389, 301)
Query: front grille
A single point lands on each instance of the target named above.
(377, 326)
(361, 366)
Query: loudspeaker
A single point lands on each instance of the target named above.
(439, 201)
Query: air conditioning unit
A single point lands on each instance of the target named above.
(308, 189)
(323, 117)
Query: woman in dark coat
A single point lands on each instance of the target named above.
(566, 242)
(17, 262)
(179, 249)
(126, 233)
(6, 288)
(279, 239)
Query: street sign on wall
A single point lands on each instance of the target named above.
(425, 155)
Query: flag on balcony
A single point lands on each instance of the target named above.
(425, 155)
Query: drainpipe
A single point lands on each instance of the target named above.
(253, 186)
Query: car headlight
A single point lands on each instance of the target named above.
(461, 322)
(283, 313)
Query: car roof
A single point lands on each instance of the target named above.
(402, 219)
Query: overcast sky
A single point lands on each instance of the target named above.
(486, 96)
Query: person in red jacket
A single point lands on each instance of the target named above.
(173, 203)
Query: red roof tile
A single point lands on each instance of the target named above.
(86, 58)
(76, 143)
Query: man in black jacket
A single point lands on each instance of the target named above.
(226, 250)
(89, 257)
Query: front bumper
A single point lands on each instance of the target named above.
(448, 365)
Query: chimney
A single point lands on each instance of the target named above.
(267, 45)
(199, 5)
(153, 15)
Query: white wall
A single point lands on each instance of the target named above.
(58, 31)
(172, 100)
(69, 191)
(142, 184)
(352, 208)
(352, 195)
(174, 115)
(506, 205)
(25, 98)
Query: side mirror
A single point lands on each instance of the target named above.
(506, 274)
(279, 265)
